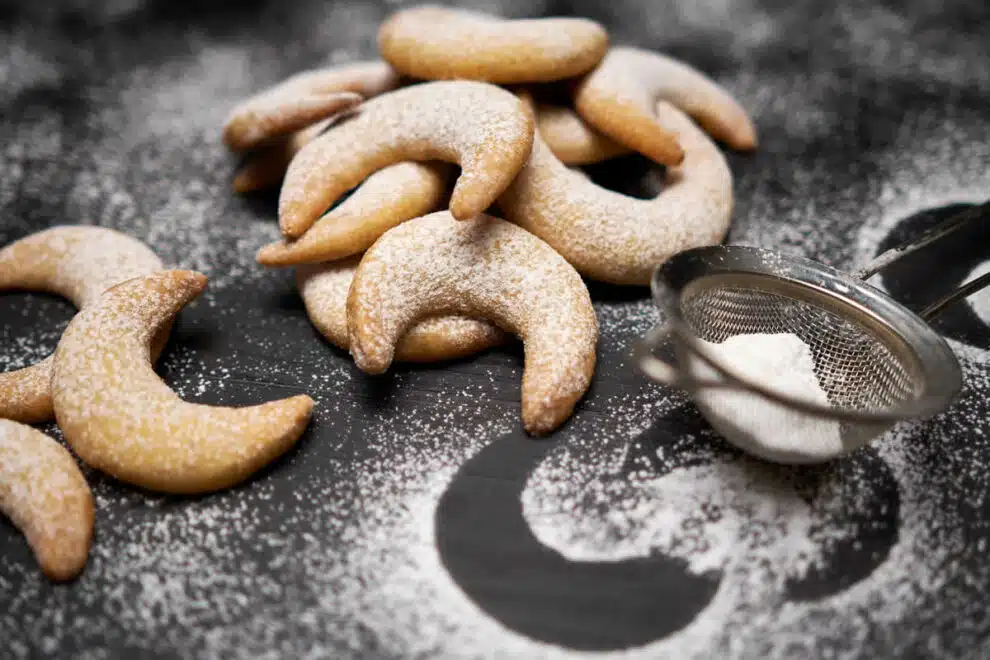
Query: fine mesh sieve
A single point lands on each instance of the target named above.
(877, 361)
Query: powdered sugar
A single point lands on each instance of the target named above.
(755, 424)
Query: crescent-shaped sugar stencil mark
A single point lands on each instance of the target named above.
(530, 587)
(850, 508)
(856, 538)
(536, 591)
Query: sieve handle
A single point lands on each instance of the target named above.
(944, 228)
(965, 291)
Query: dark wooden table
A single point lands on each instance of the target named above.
(415, 519)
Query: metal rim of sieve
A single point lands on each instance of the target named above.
(932, 366)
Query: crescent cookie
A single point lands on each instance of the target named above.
(484, 129)
(304, 99)
(389, 196)
(324, 289)
(265, 167)
(443, 43)
(79, 263)
(121, 418)
(614, 238)
(45, 495)
(571, 139)
(482, 268)
(619, 98)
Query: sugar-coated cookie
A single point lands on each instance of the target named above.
(121, 418)
(571, 139)
(265, 166)
(303, 100)
(395, 194)
(620, 96)
(443, 43)
(482, 268)
(46, 496)
(615, 238)
(78, 262)
(484, 129)
(324, 289)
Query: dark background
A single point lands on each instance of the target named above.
(415, 519)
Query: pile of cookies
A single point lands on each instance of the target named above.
(115, 413)
(409, 266)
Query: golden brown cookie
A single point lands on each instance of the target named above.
(620, 96)
(79, 263)
(121, 418)
(324, 289)
(265, 167)
(45, 495)
(443, 43)
(389, 196)
(481, 268)
(303, 100)
(484, 129)
(614, 238)
(571, 139)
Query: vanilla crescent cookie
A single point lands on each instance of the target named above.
(443, 43)
(324, 289)
(265, 166)
(619, 99)
(614, 238)
(571, 139)
(78, 262)
(45, 495)
(386, 198)
(304, 99)
(484, 129)
(121, 418)
(482, 268)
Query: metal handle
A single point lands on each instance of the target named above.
(936, 233)
(939, 231)
(965, 291)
